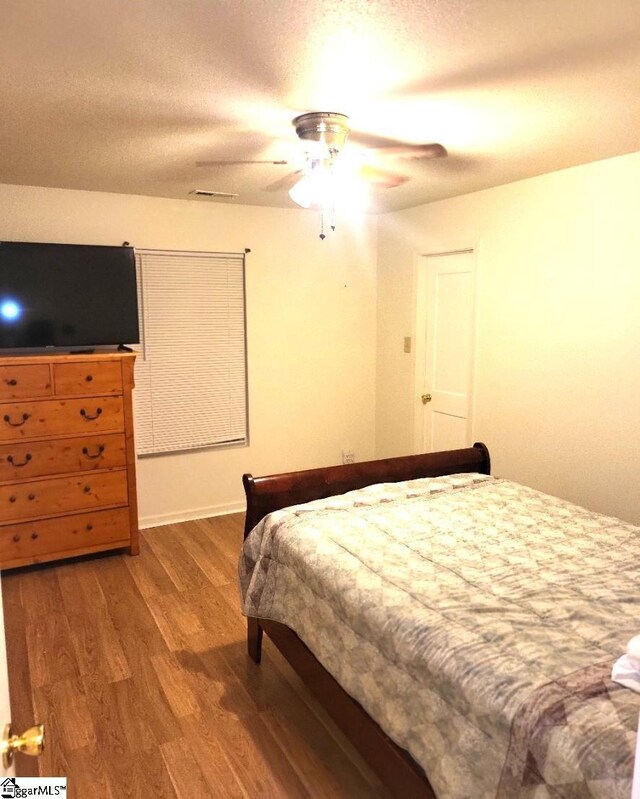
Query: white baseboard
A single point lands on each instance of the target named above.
(188, 515)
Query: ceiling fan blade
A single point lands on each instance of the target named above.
(285, 183)
(231, 163)
(416, 151)
(382, 178)
(399, 148)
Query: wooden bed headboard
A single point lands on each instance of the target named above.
(266, 494)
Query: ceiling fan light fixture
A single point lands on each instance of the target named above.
(329, 183)
(331, 187)
(315, 189)
(302, 192)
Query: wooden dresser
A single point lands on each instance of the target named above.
(67, 457)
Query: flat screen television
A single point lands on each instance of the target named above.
(67, 295)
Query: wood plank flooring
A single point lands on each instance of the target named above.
(137, 666)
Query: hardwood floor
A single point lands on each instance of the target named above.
(137, 666)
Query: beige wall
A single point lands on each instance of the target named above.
(311, 330)
(558, 341)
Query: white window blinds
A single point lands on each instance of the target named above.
(191, 387)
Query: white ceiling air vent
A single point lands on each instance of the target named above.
(215, 195)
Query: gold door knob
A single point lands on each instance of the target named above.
(30, 742)
(425, 398)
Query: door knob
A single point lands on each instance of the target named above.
(425, 398)
(30, 742)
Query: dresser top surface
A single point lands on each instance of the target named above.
(64, 357)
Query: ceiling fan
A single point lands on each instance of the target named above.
(326, 176)
(324, 135)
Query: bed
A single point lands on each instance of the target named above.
(460, 628)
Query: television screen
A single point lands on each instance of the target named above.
(67, 295)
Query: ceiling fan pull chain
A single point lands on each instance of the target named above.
(322, 236)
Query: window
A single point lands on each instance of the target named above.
(191, 386)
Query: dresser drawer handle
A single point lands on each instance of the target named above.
(26, 460)
(16, 538)
(34, 536)
(31, 497)
(85, 452)
(12, 499)
(89, 528)
(88, 416)
(12, 382)
(89, 378)
(87, 489)
(7, 419)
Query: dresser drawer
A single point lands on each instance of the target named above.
(24, 420)
(34, 540)
(22, 460)
(24, 380)
(38, 498)
(88, 378)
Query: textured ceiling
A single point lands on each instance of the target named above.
(122, 96)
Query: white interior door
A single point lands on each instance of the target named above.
(445, 338)
(5, 707)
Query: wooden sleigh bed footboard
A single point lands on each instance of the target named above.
(394, 766)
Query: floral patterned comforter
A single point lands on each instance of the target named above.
(475, 619)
